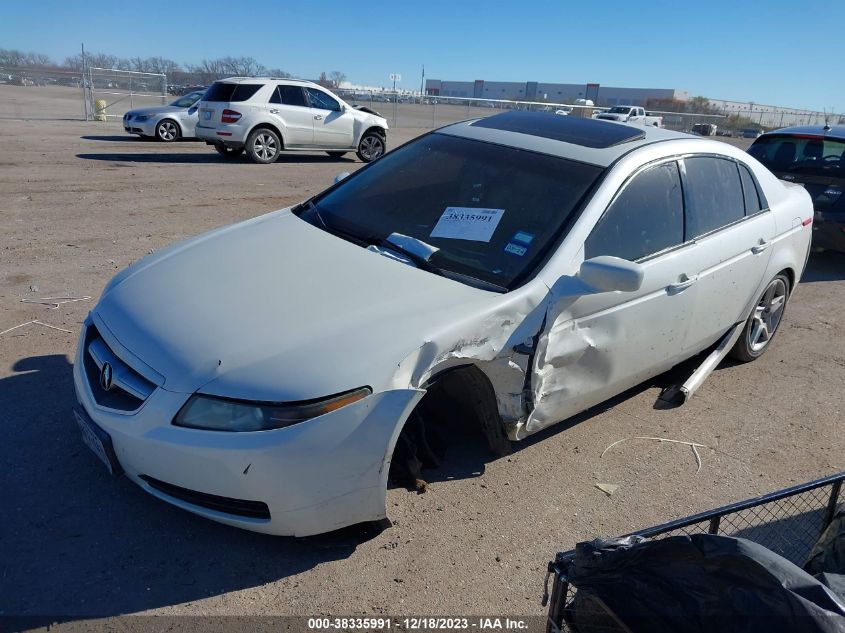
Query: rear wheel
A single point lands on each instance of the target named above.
(763, 322)
(336, 154)
(371, 147)
(263, 146)
(168, 131)
(228, 152)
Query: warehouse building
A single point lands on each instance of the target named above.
(552, 92)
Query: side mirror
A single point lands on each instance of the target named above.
(606, 273)
(340, 177)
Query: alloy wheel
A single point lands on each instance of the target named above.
(265, 147)
(767, 315)
(372, 147)
(167, 130)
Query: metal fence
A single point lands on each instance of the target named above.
(110, 93)
(788, 522)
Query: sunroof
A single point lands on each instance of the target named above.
(569, 129)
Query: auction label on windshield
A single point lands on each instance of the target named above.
(467, 223)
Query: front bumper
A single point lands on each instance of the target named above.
(145, 128)
(829, 231)
(313, 477)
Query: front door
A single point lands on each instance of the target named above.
(597, 345)
(333, 126)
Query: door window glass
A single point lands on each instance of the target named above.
(715, 195)
(292, 95)
(749, 190)
(646, 218)
(322, 101)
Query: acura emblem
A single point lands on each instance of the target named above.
(106, 376)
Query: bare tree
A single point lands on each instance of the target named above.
(336, 78)
(12, 57)
(278, 72)
(243, 66)
(324, 81)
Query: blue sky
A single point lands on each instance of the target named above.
(772, 52)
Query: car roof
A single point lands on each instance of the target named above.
(593, 141)
(835, 131)
(240, 80)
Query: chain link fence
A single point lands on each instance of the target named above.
(111, 93)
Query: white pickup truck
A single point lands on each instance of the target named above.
(630, 114)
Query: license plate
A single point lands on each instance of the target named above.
(98, 441)
(206, 114)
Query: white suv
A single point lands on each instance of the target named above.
(264, 116)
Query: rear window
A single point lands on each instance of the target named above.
(226, 92)
(800, 154)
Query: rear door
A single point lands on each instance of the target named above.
(732, 230)
(288, 109)
(333, 127)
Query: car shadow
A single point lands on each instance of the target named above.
(211, 157)
(118, 139)
(824, 266)
(113, 138)
(78, 543)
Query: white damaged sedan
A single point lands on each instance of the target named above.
(522, 267)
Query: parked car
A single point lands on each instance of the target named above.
(165, 123)
(750, 132)
(270, 374)
(704, 129)
(264, 116)
(814, 156)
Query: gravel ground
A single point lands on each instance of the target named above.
(81, 201)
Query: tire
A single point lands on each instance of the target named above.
(371, 147)
(228, 152)
(167, 131)
(763, 322)
(263, 146)
(336, 154)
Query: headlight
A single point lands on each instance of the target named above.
(143, 117)
(220, 414)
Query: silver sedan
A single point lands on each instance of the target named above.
(166, 123)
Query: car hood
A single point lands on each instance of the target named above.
(164, 109)
(276, 309)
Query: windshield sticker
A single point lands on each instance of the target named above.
(467, 223)
(516, 249)
(523, 237)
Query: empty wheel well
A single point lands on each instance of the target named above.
(271, 127)
(459, 406)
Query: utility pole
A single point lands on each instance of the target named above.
(422, 84)
(82, 83)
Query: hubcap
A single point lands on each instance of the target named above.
(265, 146)
(371, 147)
(767, 315)
(167, 130)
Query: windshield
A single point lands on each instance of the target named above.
(801, 154)
(619, 110)
(491, 212)
(188, 100)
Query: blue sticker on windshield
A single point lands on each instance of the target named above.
(523, 237)
(516, 249)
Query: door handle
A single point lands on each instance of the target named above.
(675, 288)
(763, 245)
(274, 111)
(318, 117)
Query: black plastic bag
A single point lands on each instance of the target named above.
(696, 583)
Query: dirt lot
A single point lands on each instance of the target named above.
(81, 201)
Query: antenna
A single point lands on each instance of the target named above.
(826, 127)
